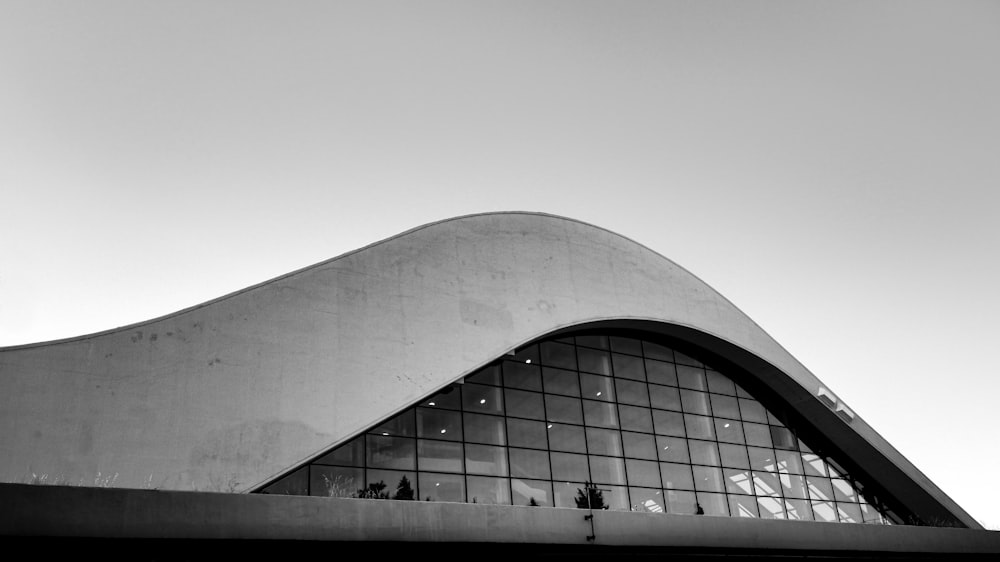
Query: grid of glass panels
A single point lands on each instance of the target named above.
(592, 421)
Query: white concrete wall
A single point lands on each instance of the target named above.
(226, 395)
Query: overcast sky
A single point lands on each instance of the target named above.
(832, 168)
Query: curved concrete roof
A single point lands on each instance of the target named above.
(228, 394)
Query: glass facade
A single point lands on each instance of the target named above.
(592, 421)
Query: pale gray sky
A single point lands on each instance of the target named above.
(830, 167)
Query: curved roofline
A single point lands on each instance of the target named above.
(300, 270)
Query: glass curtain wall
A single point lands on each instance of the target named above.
(592, 421)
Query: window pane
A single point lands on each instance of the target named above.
(597, 342)
(713, 504)
(615, 498)
(439, 456)
(634, 418)
(349, 454)
(391, 452)
(639, 445)
(843, 491)
(600, 414)
(632, 392)
(524, 491)
(626, 345)
(401, 425)
(450, 398)
(793, 486)
(798, 509)
(789, 461)
(563, 409)
(595, 387)
(607, 470)
(527, 354)
(661, 373)
(526, 463)
(489, 374)
(699, 427)
(593, 361)
(649, 500)
(480, 428)
(487, 490)
(664, 397)
(704, 452)
(766, 484)
(752, 411)
(824, 511)
(743, 506)
(441, 487)
(485, 459)
(719, 383)
(738, 481)
(567, 438)
(681, 502)
(522, 404)
(725, 407)
(813, 464)
(695, 402)
(479, 398)
(628, 367)
(676, 476)
(558, 355)
(782, 438)
(335, 481)
(557, 381)
(762, 459)
(294, 484)
(439, 424)
(386, 484)
(522, 375)
(757, 434)
(682, 359)
(729, 431)
(708, 479)
(849, 513)
(771, 508)
(672, 449)
(569, 467)
(604, 442)
(819, 488)
(657, 351)
(567, 493)
(734, 456)
(691, 377)
(643, 473)
(668, 423)
(524, 433)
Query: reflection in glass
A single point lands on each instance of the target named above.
(565, 493)
(594, 361)
(594, 387)
(676, 476)
(522, 375)
(634, 418)
(439, 424)
(480, 428)
(643, 473)
(335, 481)
(738, 481)
(604, 442)
(531, 492)
(668, 423)
(632, 392)
(485, 459)
(626, 345)
(789, 461)
(694, 402)
(824, 511)
(704, 452)
(659, 372)
(752, 411)
(523, 404)
(819, 488)
(665, 397)
(657, 351)
(681, 502)
(725, 407)
(480, 398)
(607, 470)
(391, 452)
(648, 500)
(563, 409)
(441, 487)
(843, 491)
(672, 449)
(771, 508)
(527, 463)
(566, 438)
(798, 509)
(483, 489)
(766, 483)
(487, 375)
(567, 466)
(713, 504)
(708, 479)
(558, 381)
(762, 459)
(793, 486)
(600, 414)
(691, 377)
(719, 383)
(294, 484)
(729, 431)
(699, 427)
(402, 425)
(351, 453)
(849, 513)
(734, 455)
(439, 456)
(558, 355)
(628, 367)
(526, 433)
(743, 506)
(639, 445)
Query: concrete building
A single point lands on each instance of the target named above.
(537, 383)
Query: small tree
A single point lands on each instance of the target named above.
(591, 499)
(403, 489)
(374, 491)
